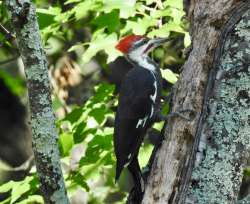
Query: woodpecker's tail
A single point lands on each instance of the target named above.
(118, 172)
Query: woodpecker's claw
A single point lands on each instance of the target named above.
(159, 117)
(179, 114)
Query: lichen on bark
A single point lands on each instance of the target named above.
(218, 177)
(44, 133)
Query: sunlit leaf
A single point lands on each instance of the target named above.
(101, 42)
(46, 17)
(109, 20)
(165, 30)
(127, 8)
(66, 143)
(74, 115)
(7, 186)
(78, 178)
(140, 26)
(187, 40)
(20, 188)
(169, 75)
(75, 47)
(98, 113)
(174, 3)
(82, 9)
(71, 1)
(148, 2)
(32, 199)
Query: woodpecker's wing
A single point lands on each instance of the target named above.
(136, 93)
(133, 114)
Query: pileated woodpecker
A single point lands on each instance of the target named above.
(138, 107)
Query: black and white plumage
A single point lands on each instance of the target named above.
(138, 106)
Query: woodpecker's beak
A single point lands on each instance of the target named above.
(153, 43)
(159, 41)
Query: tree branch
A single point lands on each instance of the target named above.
(44, 133)
(169, 179)
(217, 178)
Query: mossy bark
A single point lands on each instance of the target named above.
(217, 177)
(201, 161)
(44, 133)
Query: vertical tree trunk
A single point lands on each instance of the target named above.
(44, 133)
(215, 82)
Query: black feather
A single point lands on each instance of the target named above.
(134, 104)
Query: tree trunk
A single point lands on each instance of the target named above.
(44, 133)
(202, 161)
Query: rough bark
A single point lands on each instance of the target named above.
(217, 179)
(172, 169)
(44, 133)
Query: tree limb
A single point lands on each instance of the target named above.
(44, 133)
(171, 171)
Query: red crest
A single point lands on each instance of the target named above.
(125, 44)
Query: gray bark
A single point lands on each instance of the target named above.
(217, 179)
(216, 84)
(44, 133)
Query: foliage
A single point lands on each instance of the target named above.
(90, 29)
(109, 20)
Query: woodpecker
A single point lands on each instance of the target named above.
(138, 105)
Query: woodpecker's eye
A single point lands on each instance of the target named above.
(141, 42)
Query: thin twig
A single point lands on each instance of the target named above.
(8, 35)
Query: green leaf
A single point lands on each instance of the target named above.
(91, 159)
(81, 133)
(109, 20)
(140, 26)
(75, 47)
(100, 141)
(165, 30)
(7, 186)
(71, 1)
(83, 8)
(101, 41)
(169, 75)
(148, 2)
(187, 40)
(99, 113)
(78, 132)
(66, 143)
(127, 8)
(6, 201)
(144, 154)
(177, 16)
(174, 3)
(32, 199)
(46, 16)
(56, 103)
(20, 188)
(74, 115)
(108, 159)
(79, 179)
(161, 13)
(103, 93)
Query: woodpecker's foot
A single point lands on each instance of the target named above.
(135, 197)
(181, 114)
(159, 117)
(154, 136)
